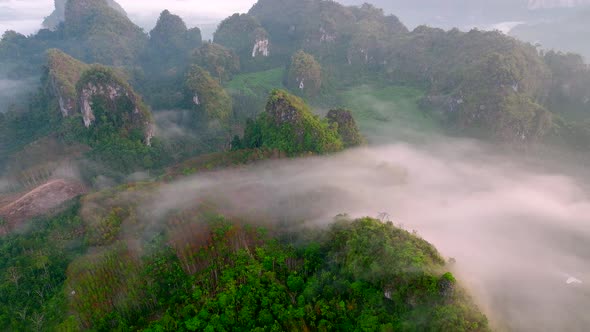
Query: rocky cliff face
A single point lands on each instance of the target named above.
(289, 126)
(261, 47)
(101, 89)
(245, 35)
(113, 92)
(321, 26)
(284, 109)
(80, 88)
(347, 128)
(63, 73)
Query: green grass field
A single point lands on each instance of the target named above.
(255, 84)
(250, 91)
(389, 113)
(384, 114)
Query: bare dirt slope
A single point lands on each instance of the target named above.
(39, 201)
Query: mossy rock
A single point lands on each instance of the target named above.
(101, 89)
(347, 128)
(289, 126)
(205, 95)
(63, 73)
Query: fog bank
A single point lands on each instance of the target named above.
(12, 92)
(518, 235)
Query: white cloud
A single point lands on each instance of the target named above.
(24, 16)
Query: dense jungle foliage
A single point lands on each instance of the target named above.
(218, 275)
(118, 106)
(289, 126)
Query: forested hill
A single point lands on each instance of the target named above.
(58, 16)
(92, 31)
(481, 81)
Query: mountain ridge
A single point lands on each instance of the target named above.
(58, 16)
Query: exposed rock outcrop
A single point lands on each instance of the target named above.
(347, 128)
(284, 109)
(244, 35)
(327, 37)
(63, 73)
(100, 87)
(261, 47)
(289, 126)
(320, 27)
(80, 88)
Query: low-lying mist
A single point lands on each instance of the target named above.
(519, 234)
(14, 91)
(24, 16)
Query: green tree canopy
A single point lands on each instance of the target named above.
(207, 96)
(221, 62)
(240, 32)
(305, 74)
(58, 15)
(103, 34)
(170, 43)
(347, 128)
(289, 126)
(495, 98)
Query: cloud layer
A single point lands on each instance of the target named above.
(517, 233)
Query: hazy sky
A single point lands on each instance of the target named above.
(25, 16)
